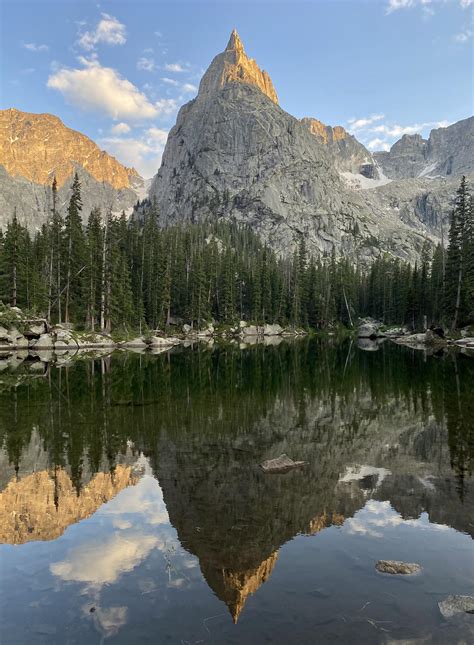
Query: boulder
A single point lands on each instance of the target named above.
(395, 332)
(281, 464)
(159, 341)
(135, 342)
(397, 567)
(36, 329)
(368, 330)
(65, 340)
(187, 329)
(251, 330)
(455, 605)
(465, 342)
(272, 330)
(45, 341)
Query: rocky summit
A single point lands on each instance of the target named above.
(235, 153)
(35, 148)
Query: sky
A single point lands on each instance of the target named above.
(119, 70)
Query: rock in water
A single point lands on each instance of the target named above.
(281, 464)
(453, 605)
(397, 567)
(234, 153)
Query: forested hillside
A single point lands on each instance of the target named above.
(130, 275)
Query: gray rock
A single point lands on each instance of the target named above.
(45, 341)
(397, 567)
(272, 330)
(455, 605)
(251, 330)
(159, 341)
(281, 464)
(135, 342)
(235, 154)
(447, 151)
(368, 330)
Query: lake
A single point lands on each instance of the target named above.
(133, 508)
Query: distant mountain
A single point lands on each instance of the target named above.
(35, 148)
(447, 152)
(234, 153)
(349, 154)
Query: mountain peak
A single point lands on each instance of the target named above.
(235, 44)
(234, 66)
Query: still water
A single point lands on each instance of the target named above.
(133, 509)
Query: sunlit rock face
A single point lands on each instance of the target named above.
(35, 148)
(348, 154)
(39, 147)
(234, 66)
(43, 504)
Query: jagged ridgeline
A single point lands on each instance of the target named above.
(235, 153)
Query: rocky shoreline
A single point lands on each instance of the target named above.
(18, 333)
(371, 330)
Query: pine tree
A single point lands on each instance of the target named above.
(75, 256)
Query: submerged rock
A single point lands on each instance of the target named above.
(453, 605)
(281, 464)
(397, 567)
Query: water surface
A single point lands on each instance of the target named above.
(133, 510)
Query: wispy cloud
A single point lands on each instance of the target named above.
(378, 144)
(142, 151)
(358, 124)
(170, 81)
(33, 47)
(146, 64)
(381, 136)
(464, 36)
(120, 128)
(108, 31)
(175, 67)
(466, 3)
(102, 89)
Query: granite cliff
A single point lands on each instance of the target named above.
(447, 152)
(234, 153)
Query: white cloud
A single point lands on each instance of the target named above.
(102, 562)
(170, 81)
(358, 124)
(381, 136)
(33, 47)
(463, 36)
(146, 64)
(174, 67)
(166, 107)
(399, 130)
(108, 31)
(102, 89)
(378, 144)
(395, 5)
(142, 152)
(189, 88)
(466, 3)
(120, 128)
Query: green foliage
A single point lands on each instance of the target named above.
(137, 275)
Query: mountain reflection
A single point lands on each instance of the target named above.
(388, 437)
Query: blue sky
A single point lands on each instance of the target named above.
(119, 70)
